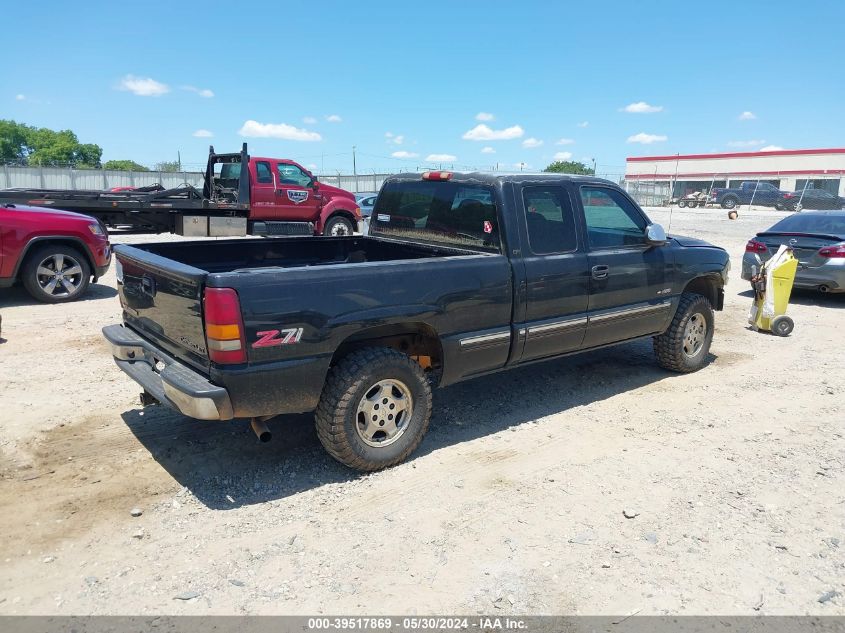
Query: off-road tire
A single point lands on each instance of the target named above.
(669, 346)
(347, 383)
(339, 221)
(29, 273)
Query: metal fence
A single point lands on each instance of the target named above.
(104, 179)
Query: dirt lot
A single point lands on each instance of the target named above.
(513, 503)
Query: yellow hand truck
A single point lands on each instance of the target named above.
(772, 284)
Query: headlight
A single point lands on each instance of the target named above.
(96, 229)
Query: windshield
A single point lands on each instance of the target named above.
(826, 223)
(455, 214)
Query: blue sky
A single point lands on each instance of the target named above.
(309, 80)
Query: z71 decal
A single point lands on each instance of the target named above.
(272, 338)
(296, 196)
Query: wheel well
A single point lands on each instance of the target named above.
(346, 214)
(709, 289)
(36, 244)
(417, 340)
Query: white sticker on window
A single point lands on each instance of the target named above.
(383, 218)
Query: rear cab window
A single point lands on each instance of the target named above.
(461, 215)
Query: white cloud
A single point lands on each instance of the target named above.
(388, 134)
(396, 139)
(143, 86)
(564, 141)
(20, 97)
(404, 154)
(488, 150)
(311, 166)
(532, 142)
(752, 143)
(440, 158)
(563, 156)
(747, 116)
(333, 118)
(647, 139)
(277, 130)
(583, 124)
(771, 148)
(309, 120)
(641, 107)
(203, 92)
(483, 133)
(202, 134)
(484, 116)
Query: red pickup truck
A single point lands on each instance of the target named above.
(53, 253)
(242, 195)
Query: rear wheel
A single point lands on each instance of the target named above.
(682, 204)
(374, 410)
(338, 226)
(55, 274)
(729, 202)
(797, 207)
(684, 346)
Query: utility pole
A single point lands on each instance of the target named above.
(594, 167)
(354, 169)
(179, 160)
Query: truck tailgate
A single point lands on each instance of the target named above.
(162, 300)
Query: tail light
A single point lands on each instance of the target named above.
(224, 328)
(754, 246)
(437, 175)
(788, 195)
(835, 251)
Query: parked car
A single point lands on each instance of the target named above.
(818, 242)
(811, 199)
(366, 201)
(762, 193)
(53, 253)
(461, 275)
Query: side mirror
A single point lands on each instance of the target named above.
(315, 184)
(655, 235)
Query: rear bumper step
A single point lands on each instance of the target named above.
(166, 379)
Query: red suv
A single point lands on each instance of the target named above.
(52, 253)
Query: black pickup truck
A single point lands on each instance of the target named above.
(461, 275)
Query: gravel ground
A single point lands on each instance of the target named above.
(595, 484)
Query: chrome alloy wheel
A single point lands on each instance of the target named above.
(694, 334)
(59, 275)
(384, 413)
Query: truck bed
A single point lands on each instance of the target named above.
(227, 256)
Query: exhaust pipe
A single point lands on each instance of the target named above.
(824, 288)
(260, 429)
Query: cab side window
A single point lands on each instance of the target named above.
(550, 221)
(612, 220)
(263, 173)
(293, 175)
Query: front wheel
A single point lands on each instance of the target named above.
(684, 346)
(55, 274)
(339, 226)
(374, 410)
(797, 207)
(682, 204)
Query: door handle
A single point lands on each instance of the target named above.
(600, 272)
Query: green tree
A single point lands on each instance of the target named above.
(124, 165)
(13, 146)
(43, 146)
(168, 166)
(569, 167)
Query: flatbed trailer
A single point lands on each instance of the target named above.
(222, 208)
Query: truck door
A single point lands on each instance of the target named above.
(263, 203)
(556, 273)
(296, 200)
(630, 289)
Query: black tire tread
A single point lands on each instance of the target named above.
(667, 346)
(343, 381)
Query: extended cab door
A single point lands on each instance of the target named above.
(296, 200)
(262, 191)
(556, 274)
(630, 280)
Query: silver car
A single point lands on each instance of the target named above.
(366, 201)
(818, 241)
